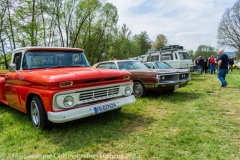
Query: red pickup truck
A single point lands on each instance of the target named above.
(57, 84)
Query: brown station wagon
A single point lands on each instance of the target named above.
(146, 79)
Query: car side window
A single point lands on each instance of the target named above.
(166, 57)
(150, 65)
(109, 65)
(17, 60)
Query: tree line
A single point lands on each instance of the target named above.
(88, 24)
(91, 25)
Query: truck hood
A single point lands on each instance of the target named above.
(51, 76)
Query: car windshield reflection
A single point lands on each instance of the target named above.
(53, 59)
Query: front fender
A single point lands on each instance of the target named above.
(2, 88)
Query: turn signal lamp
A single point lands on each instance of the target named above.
(66, 84)
(126, 77)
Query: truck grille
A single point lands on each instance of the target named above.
(98, 94)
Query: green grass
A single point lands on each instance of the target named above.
(199, 121)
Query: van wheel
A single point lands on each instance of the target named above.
(138, 89)
(38, 114)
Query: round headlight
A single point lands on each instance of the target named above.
(127, 91)
(68, 101)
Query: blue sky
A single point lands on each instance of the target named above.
(189, 23)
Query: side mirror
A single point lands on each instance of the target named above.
(12, 67)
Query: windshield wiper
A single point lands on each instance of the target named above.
(59, 66)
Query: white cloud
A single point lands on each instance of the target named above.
(185, 22)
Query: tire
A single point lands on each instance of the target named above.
(38, 114)
(138, 89)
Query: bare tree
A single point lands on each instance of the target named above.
(229, 27)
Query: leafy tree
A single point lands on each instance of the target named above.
(144, 42)
(120, 48)
(100, 31)
(238, 55)
(161, 41)
(88, 24)
(204, 50)
(3, 31)
(191, 53)
(229, 28)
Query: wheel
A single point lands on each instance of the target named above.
(38, 114)
(138, 89)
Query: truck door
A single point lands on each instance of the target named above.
(13, 84)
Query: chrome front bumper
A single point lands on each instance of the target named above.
(77, 113)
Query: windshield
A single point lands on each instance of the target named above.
(163, 65)
(184, 55)
(131, 65)
(52, 59)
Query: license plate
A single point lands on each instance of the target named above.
(104, 107)
(176, 86)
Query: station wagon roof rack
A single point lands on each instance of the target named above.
(171, 47)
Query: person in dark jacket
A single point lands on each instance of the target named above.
(230, 63)
(201, 64)
(195, 67)
(205, 68)
(222, 67)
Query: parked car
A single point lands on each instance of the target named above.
(236, 65)
(146, 79)
(157, 65)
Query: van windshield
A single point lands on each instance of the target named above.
(184, 55)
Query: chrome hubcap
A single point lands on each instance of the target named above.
(138, 90)
(35, 114)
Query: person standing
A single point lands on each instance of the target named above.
(201, 64)
(222, 67)
(196, 64)
(205, 64)
(230, 62)
(211, 63)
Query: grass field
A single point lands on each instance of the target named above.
(199, 121)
